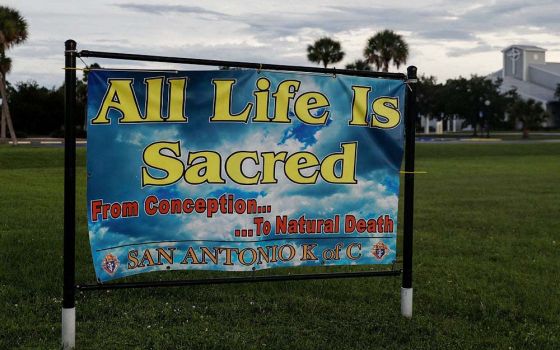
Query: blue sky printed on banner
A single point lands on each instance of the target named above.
(114, 162)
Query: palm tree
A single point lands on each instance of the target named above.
(5, 63)
(13, 31)
(325, 51)
(384, 47)
(359, 65)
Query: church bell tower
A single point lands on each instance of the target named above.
(517, 59)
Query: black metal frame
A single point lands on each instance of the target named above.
(70, 286)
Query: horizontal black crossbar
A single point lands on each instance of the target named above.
(265, 66)
(232, 280)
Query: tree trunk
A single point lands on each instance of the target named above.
(3, 125)
(6, 112)
(3, 122)
(525, 132)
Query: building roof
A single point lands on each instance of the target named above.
(525, 47)
(549, 67)
(524, 88)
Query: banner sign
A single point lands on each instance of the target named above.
(241, 170)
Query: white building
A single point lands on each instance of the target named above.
(525, 68)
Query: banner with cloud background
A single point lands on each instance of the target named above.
(241, 170)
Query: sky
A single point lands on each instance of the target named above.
(446, 38)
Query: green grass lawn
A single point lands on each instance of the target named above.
(502, 135)
(486, 269)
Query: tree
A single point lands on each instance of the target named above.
(386, 47)
(13, 31)
(5, 63)
(91, 67)
(478, 100)
(81, 99)
(529, 112)
(429, 97)
(358, 65)
(40, 110)
(325, 51)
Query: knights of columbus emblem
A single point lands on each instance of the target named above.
(379, 250)
(110, 263)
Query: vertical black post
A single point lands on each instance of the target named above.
(69, 175)
(68, 294)
(410, 134)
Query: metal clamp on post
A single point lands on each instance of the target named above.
(409, 81)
